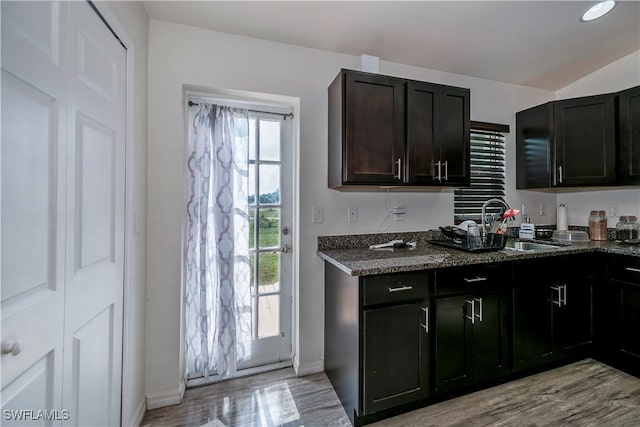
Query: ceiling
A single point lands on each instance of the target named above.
(541, 44)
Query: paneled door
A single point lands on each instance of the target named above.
(63, 146)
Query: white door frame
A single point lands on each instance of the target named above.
(249, 98)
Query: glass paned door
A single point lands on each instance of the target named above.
(269, 240)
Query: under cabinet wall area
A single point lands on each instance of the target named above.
(388, 131)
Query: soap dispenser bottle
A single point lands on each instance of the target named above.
(527, 229)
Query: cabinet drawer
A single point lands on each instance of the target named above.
(450, 281)
(395, 287)
(626, 269)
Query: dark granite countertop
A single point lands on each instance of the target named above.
(364, 262)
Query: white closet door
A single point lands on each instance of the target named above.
(63, 136)
(33, 206)
(95, 221)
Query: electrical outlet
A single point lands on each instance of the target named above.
(398, 213)
(317, 214)
(614, 209)
(543, 209)
(352, 214)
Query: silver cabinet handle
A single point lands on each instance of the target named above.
(439, 176)
(446, 170)
(475, 279)
(634, 270)
(559, 301)
(560, 174)
(479, 301)
(400, 288)
(426, 319)
(399, 163)
(11, 347)
(564, 294)
(473, 310)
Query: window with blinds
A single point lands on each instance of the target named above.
(488, 163)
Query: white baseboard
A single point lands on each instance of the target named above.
(139, 415)
(166, 399)
(308, 368)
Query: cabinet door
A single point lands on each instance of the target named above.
(423, 149)
(585, 125)
(533, 147)
(396, 356)
(454, 135)
(629, 322)
(629, 131)
(572, 314)
(374, 114)
(491, 336)
(453, 343)
(532, 327)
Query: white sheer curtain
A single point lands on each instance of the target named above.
(218, 289)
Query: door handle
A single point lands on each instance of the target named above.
(473, 310)
(479, 301)
(426, 319)
(285, 249)
(560, 174)
(559, 301)
(11, 347)
(399, 163)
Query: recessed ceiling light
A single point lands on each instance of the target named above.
(598, 10)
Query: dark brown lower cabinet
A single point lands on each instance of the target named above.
(619, 312)
(471, 339)
(396, 342)
(377, 342)
(471, 325)
(552, 314)
(396, 355)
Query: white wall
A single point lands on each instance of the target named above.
(619, 75)
(182, 55)
(130, 21)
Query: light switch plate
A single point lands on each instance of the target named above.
(317, 214)
(352, 214)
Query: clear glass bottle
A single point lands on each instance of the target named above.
(598, 225)
(627, 227)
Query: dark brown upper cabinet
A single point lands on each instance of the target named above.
(438, 136)
(388, 131)
(567, 143)
(629, 136)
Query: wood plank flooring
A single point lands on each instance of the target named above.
(586, 393)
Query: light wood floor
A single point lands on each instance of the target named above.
(586, 393)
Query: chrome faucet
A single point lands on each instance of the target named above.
(483, 226)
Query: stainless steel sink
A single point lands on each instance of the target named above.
(523, 246)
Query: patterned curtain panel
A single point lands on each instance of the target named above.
(218, 288)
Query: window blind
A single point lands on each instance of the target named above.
(488, 164)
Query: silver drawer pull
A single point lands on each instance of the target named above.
(475, 279)
(635, 270)
(400, 288)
